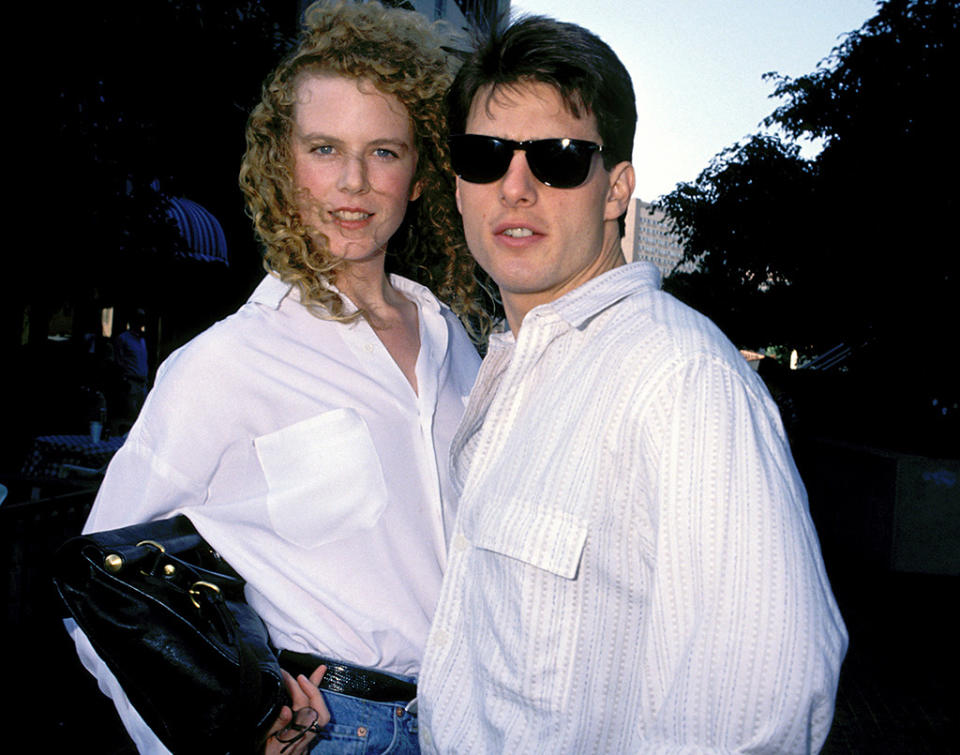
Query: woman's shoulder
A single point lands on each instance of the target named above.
(230, 340)
(208, 353)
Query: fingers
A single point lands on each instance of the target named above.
(298, 698)
(292, 734)
(317, 674)
(304, 693)
(308, 687)
(285, 717)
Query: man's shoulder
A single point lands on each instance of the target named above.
(127, 339)
(652, 331)
(655, 314)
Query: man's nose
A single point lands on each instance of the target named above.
(518, 185)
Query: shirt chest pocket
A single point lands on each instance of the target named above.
(324, 478)
(543, 537)
(529, 561)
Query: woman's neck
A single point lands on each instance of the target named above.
(393, 317)
(370, 290)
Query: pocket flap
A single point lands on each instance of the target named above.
(535, 534)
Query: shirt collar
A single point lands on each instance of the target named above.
(597, 294)
(414, 290)
(587, 300)
(272, 291)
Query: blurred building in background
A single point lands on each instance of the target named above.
(650, 237)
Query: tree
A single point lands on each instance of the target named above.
(745, 225)
(856, 246)
(887, 176)
(862, 234)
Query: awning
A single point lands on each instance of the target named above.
(200, 231)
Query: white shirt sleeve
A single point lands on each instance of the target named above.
(745, 644)
(137, 488)
(142, 735)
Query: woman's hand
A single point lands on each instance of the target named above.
(296, 727)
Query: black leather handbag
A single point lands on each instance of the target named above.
(167, 615)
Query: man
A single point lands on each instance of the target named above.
(633, 568)
(130, 353)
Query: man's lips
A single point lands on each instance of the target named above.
(516, 231)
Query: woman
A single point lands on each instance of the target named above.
(306, 435)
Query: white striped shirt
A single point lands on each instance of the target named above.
(634, 568)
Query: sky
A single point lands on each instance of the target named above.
(697, 68)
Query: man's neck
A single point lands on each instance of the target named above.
(516, 306)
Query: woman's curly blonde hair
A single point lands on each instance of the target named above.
(400, 52)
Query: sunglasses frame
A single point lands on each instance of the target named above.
(531, 148)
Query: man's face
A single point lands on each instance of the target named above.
(539, 242)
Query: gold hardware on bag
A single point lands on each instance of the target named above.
(169, 570)
(113, 563)
(194, 591)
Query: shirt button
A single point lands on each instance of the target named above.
(460, 543)
(368, 347)
(441, 637)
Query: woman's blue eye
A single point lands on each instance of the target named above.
(384, 152)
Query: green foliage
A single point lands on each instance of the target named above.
(745, 225)
(857, 245)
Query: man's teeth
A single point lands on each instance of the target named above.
(344, 215)
(518, 233)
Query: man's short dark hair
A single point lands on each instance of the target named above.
(578, 64)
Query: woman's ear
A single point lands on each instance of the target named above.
(416, 190)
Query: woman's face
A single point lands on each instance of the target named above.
(354, 161)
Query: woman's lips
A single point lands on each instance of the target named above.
(350, 218)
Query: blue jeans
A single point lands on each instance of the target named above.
(362, 727)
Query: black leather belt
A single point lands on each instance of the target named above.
(350, 680)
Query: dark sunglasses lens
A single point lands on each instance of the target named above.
(479, 159)
(561, 163)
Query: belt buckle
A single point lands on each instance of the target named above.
(411, 707)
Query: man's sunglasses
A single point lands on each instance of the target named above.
(561, 163)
